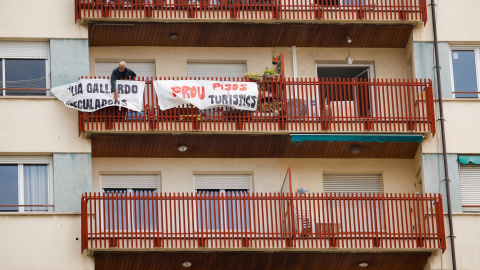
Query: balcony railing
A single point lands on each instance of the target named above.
(290, 105)
(379, 10)
(261, 220)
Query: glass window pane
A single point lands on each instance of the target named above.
(145, 210)
(116, 211)
(238, 210)
(35, 181)
(8, 187)
(209, 210)
(25, 73)
(464, 74)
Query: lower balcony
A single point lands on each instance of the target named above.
(287, 106)
(203, 222)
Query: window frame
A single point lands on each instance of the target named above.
(222, 190)
(476, 51)
(33, 160)
(466, 208)
(128, 209)
(47, 73)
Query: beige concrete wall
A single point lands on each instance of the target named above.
(457, 21)
(462, 128)
(39, 125)
(466, 245)
(398, 175)
(39, 19)
(172, 61)
(42, 242)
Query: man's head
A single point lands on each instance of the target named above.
(121, 66)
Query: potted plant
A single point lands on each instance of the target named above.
(273, 107)
(252, 76)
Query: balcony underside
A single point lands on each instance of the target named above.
(248, 34)
(261, 260)
(239, 146)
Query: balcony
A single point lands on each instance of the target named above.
(287, 106)
(254, 11)
(261, 221)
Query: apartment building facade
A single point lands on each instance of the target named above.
(339, 167)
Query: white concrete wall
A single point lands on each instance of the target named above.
(457, 21)
(466, 245)
(39, 125)
(398, 175)
(27, 19)
(43, 242)
(462, 128)
(172, 61)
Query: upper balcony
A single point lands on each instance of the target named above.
(409, 11)
(286, 106)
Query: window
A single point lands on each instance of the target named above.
(360, 212)
(465, 72)
(216, 212)
(346, 100)
(130, 203)
(146, 69)
(25, 184)
(24, 65)
(216, 70)
(470, 187)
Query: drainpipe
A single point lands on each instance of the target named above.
(444, 144)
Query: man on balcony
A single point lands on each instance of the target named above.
(122, 72)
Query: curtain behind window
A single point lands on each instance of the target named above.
(35, 187)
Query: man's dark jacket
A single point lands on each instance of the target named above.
(117, 75)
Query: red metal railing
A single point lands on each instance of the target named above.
(290, 105)
(254, 9)
(262, 220)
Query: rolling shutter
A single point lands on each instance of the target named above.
(219, 70)
(19, 50)
(337, 183)
(141, 69)
(222, 182)
(130, 181)
(359, 216)
(470, 187)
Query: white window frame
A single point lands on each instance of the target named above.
(33, 160)
(476, 50)
(13, 50)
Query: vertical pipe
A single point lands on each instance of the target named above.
(442, 129)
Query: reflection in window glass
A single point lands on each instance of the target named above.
(25, 73)
(8, 187)
(464, 74)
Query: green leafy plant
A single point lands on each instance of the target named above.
(253, 76)
(269, 71)
(274, 106)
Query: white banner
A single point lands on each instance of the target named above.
(89, 95)
(206, 94)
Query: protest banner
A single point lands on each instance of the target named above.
(206, 94)
(89, 95)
